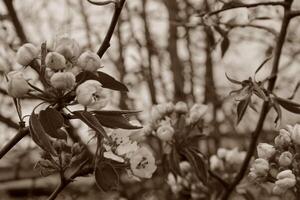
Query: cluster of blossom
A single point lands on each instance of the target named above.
(165, 116)
(124, 150)
(280, 161)
(62, 65)
(186, 183)
(227, 161)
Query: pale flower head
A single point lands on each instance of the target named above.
(295, 133)
(286, 180)
(196, 112)
(260, 167)
(285, 159)
(26, 54)
(55, 61)
(17, 85)
(165, 132)
(91, 94)
(89, 61)
(265, 150)
(221, 153)
(234, 157)
(216, 164)
(283, 139)
(68, 47)
(181, 107)
(142, 163)
(63, 80)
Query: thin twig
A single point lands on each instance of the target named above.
(265, 107)
(21, 134)
(106, 42)
(242, 5)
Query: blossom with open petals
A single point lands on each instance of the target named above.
(142, 163)
(91, 94)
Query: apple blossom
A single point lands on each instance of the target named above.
(265, 150)
(26, 54)
(234, 157)
(260, 167)
(68, 47)
(196, 112)
(285, 180)
(91, 94)
(216, 163)
(181, 107)
(222, 153)
(142, 163)
(55, 61)
(165, 132)
(17, 85)
(285, 159)
(63, 80)
(283, 139)
(295, 134)
(89, 61)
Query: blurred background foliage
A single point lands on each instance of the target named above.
(163, 51)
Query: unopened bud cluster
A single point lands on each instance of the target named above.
(278, 162)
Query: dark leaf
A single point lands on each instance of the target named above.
(116, 112)
(115, 121)
(225, 45)
(289, 105)
(241, 108)
(51, 120)
(295, 91)
(90, 120)
(232, 4)
(39, 135)
(107, 178)
(278, 111)
(259, 91)
(197, 160)
(86, 75)
(174, 160)
(262, 64)
(109, 82)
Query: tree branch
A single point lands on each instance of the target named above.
(265, 107)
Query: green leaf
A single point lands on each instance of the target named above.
(91, 120)
(39, 135)
(51, 120)
(106, 176)
(197, 160)
(115, 121)
(109, 82)
(241, 108)
(174, 161)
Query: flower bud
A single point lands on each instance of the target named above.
(17, 85)
(283, 139)
(196, 112)
(63, 80)
(286, 179)
(265, 151)
(165, 132)
(234, 157)
(222, 153)
(55, 61)
(285, 159)
(68, 47)
(260, 167)
(278, 190)
(89, 61)
(216, 164)
(295, 134)
(91, 94)
(26, 54)
(181, 107)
